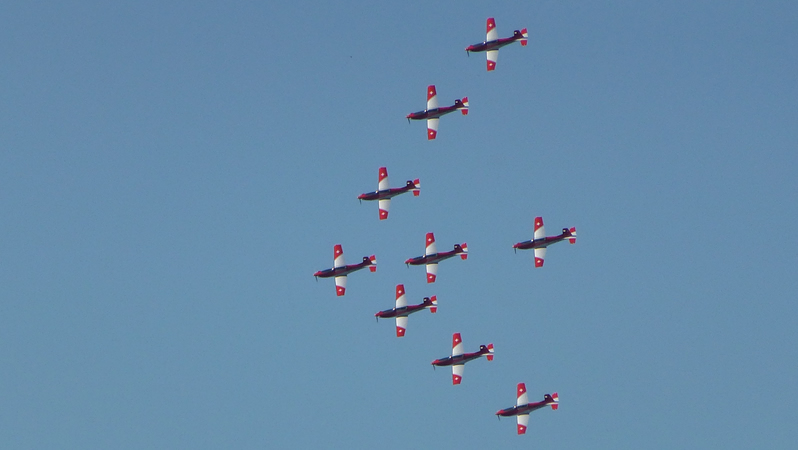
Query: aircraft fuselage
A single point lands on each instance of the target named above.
(437, 257)
(402, 311)
(339, 271)
(459, 359)
(543, 242)
(387, 193)
(493, 45)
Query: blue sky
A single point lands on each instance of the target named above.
(172, 175)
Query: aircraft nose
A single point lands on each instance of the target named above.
(317, 273)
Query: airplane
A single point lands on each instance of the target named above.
(433, 112)
(541, 241)
(340, 269)
(402, 310)
(431, 257)
(492, 43)
(522, 407)
(458, 358)
(384, 192)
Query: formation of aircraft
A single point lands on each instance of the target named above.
(340, 270)
(385, 192)
(540, 241)
(402, 309)
(522, 407)
(458, 358)
(431, 257)
(493, 43)
(433, 112)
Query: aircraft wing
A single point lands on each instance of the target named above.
(432, 98)
(340, 285)
(492, 34)
(540, 254)
(401, 325)
(432, 272)
(401, 300)
(338, 256)
(385, 205)
(430, 249)
(457, 345)
(383, 186)
(493, 55)
(521, 397)
(457, 373)
(432, 128)
(540, 231)
(523, 420)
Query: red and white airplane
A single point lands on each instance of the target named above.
(340, 270)
(431, 257)
(384, 192)
(402, 309)
(433, 112)
(541, 241)
(458, 358)
(492, 43)
(522, 407)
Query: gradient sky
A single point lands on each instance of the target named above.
(171, 175)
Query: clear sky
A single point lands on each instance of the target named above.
(171, 175)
